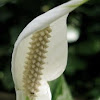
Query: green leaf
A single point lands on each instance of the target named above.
(60, 90)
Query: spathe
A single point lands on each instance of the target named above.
(56, 56)
(49, 17)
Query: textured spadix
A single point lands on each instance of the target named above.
(40, 52)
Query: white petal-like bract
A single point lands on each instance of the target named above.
(40, 52)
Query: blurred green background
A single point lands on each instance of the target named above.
(81, 79)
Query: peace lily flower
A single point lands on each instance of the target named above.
(40, 53)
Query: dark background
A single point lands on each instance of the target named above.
(82, 72)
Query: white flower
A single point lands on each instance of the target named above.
(40, 53)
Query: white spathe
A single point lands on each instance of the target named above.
(56, 60)
(57, 51)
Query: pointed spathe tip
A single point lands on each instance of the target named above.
(73, 4)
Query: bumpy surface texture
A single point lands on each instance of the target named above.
(35, 60)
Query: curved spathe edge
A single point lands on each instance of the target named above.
(47, 18)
